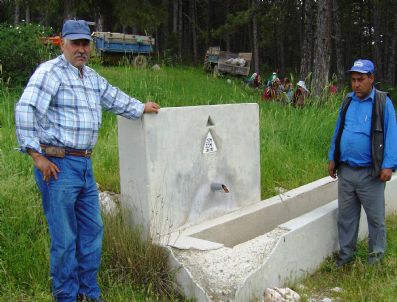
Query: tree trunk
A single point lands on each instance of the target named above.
(175, 17)
(193, 24)
(280, 43)
(68, 9)
(16, 12)
(180, 28)
(348, 34)
(27, 12)
(391, 70)
(208, 23)
(340, 68)
(163, 28)
(99, 23)
(227, 36)
(322, 47)
(377, 43)
(281, 53)
(307, 44)
(255, 36)
(361, 23)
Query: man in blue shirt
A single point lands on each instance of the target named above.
(57, 121)
(364, 154)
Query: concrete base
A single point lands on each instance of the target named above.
(237, 256)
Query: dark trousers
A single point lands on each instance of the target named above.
(356, 188)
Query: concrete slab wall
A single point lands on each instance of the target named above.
(311, 238)
(231, 246)
(254, 220)
(167, 167)
(307, 240)
(391, 195)
(271, 213)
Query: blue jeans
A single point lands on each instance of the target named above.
(71, 207)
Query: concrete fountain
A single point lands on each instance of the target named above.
(191, 177)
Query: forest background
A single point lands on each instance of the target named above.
(318, 40)
(302, 37)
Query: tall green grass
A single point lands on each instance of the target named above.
(132, 269)
(294, 145)
(294, 142)
(359, 281)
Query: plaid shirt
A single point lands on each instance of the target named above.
(62, 107)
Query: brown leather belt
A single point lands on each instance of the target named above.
(55, 151)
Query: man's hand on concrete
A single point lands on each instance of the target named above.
(151, 107)
(46, 167)
(331, 169)
(385, 174)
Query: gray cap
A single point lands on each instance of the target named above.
(76, 29)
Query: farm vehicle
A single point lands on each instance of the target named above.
(218, 61)
(115, 47)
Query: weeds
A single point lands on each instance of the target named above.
(294, 146)
(133, 258)
(358, 280)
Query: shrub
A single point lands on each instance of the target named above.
(21, 51)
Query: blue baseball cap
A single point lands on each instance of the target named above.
(363, 66)
(75, 30)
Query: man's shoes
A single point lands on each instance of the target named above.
(375, 258)
(342, 262)
(86, 299)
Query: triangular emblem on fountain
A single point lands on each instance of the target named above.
(209, 144)
(210, 122)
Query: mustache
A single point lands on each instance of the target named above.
(78, 55)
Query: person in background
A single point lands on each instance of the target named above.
(273, 91)
(288, 90)
(271, 79)
(363, 154)
(333, 89)
(301, 92)
(57, 122)
(278, 87)
(254, 80)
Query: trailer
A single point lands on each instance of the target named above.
(114, 47)
(51, 41)
(219, 61)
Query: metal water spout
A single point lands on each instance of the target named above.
(219, 187)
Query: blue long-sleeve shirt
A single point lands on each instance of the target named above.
(62, 107)
(355, 145)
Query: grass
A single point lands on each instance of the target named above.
(132, 269)
(297, 139)
(294, 147)
(359, 281)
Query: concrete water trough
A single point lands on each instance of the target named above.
(271, 243)
(191, 177)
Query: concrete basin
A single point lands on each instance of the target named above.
(237, 256)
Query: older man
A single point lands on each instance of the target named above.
(57, 121)
(364, 153)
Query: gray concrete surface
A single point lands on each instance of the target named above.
(288, 249)
(175, 169)
(170, 164)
